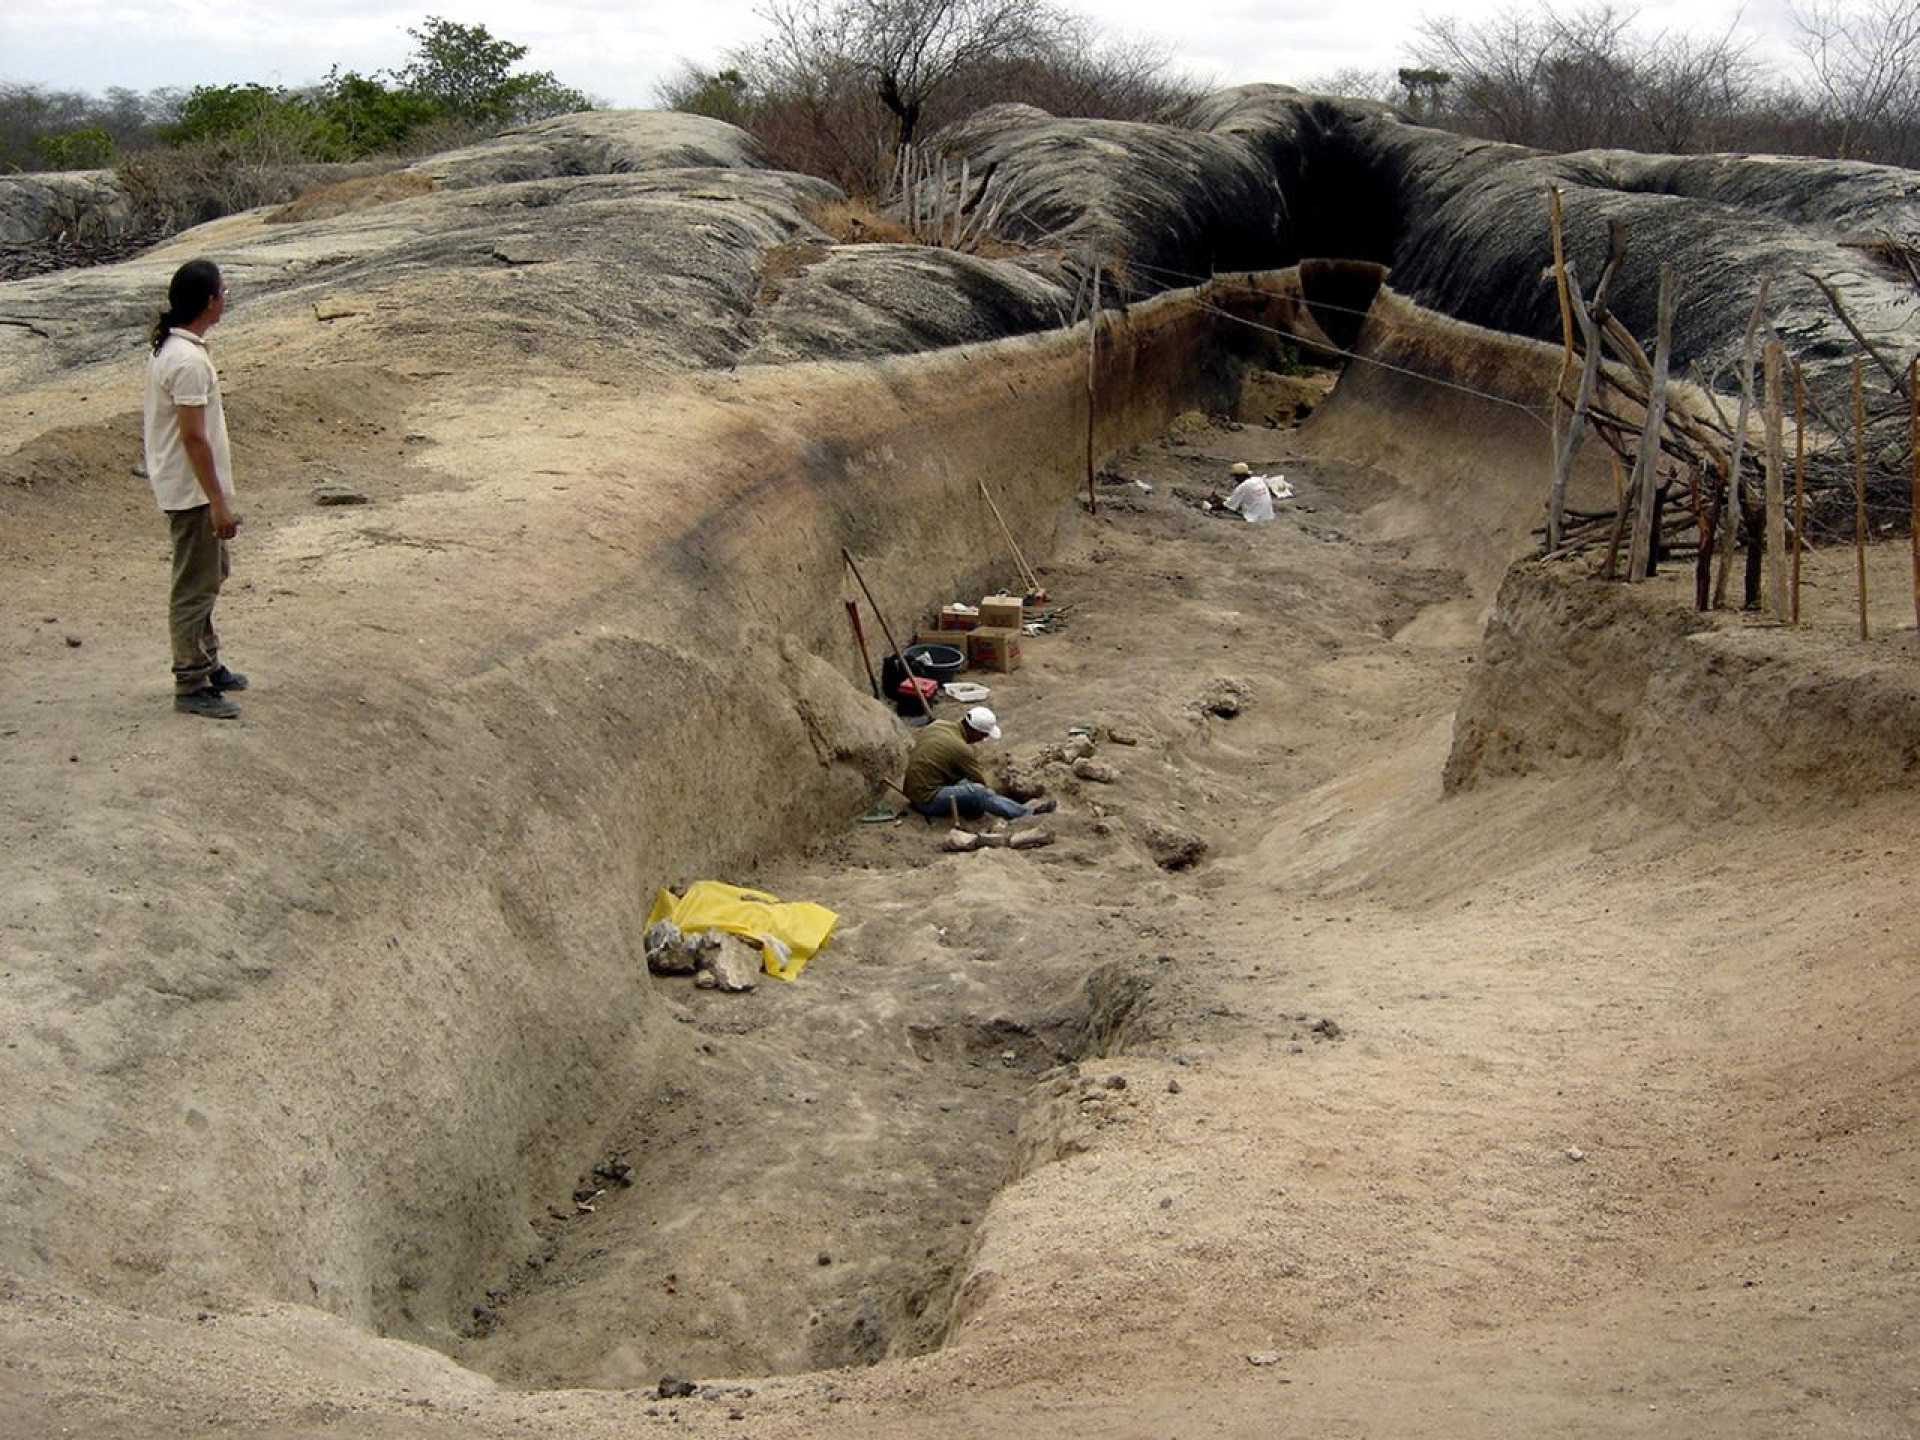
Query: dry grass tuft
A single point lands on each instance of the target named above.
(345, 197)
(857, 222)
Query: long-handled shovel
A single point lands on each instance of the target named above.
(1027, 577)
(886, 629)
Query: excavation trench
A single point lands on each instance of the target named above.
(715, 1225)
(798, 1184)
(593, 716)
(654, 681)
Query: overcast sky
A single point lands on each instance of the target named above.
(616, 50)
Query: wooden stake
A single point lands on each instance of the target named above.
(1591, 317)
(1093, 358)
(1560, 287)
(1560, 282)
(1619, 518)
(1913, 442)
(1776, 525)
(886, 629)
(1753, 525)
(1646, 467)
(1860, 486)
(1739, 445)
(1709, 531)
(1799, 481)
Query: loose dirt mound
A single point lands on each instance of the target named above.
(360, 193)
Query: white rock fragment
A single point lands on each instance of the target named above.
(732, 962)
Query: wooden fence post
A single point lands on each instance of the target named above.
(1716, 516)
(1566, 346)
(1592, 317)
(1739, 444)
(1646, 467)
(1860, 486)
(1776, 484)
(1560, 282)
(1913, 442)
(1799, 479)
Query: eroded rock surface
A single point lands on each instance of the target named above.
(90, 203)
(1268, 176)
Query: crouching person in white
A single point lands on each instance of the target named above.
(1254, 495)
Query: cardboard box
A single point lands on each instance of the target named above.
(959, 617)
(994, 648)
(1002, 612)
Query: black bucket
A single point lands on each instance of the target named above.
(936, 662)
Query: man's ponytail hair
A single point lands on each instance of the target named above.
(189, 293)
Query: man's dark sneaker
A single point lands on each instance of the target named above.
(225, 679)
(206, 701)
(1043, 807)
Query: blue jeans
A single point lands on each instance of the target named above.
(974, 800)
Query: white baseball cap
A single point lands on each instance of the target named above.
(982, 719)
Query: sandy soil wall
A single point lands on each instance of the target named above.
(1704, 715)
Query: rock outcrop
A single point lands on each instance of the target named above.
(1267, 176)
(83, 204)
(664, 231)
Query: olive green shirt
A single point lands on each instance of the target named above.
(941, 756)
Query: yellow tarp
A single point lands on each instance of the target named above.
(788, 932)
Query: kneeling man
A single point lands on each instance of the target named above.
(943, 772)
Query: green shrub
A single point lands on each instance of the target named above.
(90, 148)
(359, 116)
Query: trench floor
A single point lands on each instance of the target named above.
(804, 1194)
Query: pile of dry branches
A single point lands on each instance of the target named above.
(1700, 475)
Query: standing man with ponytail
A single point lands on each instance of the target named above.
(191, 472)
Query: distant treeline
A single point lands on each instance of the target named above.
(458, 83)
(839, 85)
(1588, 79)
